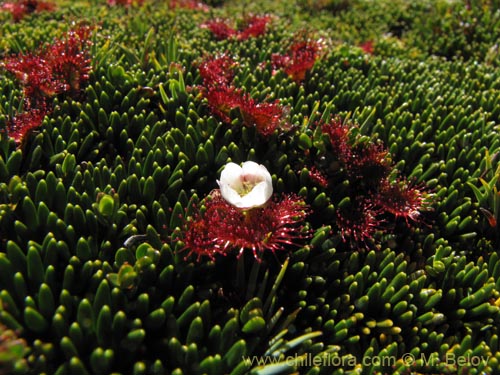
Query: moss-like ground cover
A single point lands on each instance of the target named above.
(378, 122)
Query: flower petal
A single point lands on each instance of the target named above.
(230, 175)
(230, 195)
(251, 167)
(259, 195)
(247, 186)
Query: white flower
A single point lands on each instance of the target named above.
(247, 186)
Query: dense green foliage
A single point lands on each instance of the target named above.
(90, 276)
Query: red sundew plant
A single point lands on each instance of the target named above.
(402, 199)
(367, 47)
(22, 8)
(318, 177)
(60, 68)
(266, 117)
(35, 75)
(223, 98)
(359, 222)
(339, 137)
(251, 27)
(189, 4)
(126, 2)
(217, 70)
(299, 59)
(221, 29)
(367, 161)
(24, 123)
(69, 60)
(221, 227)
(365, 170)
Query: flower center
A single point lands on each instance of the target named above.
(248, 182)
